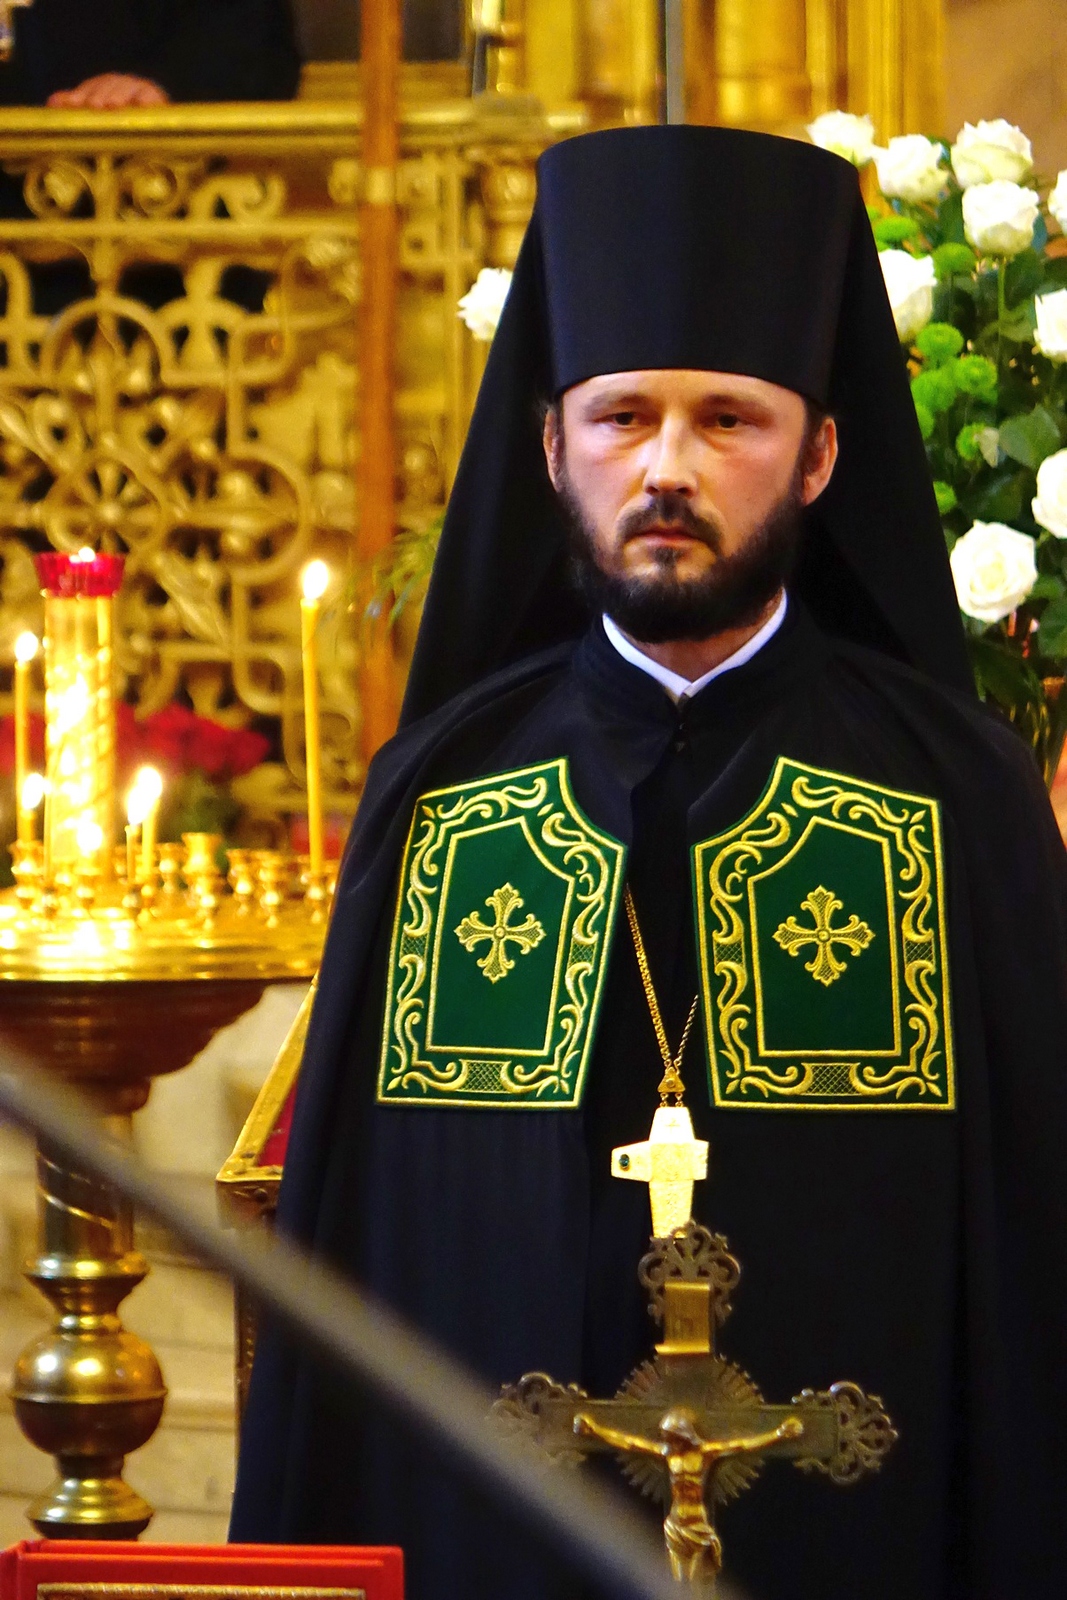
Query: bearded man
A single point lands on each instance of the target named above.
(691, 631)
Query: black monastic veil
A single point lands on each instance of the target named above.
(920, 1255)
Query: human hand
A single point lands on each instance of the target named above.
(110, 91)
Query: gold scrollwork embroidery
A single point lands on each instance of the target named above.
(918, 1073)
(539, 798)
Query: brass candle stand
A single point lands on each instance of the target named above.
(110, 988)
(117, 965)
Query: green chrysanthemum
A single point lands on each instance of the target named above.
(935, 389)
(939, 342)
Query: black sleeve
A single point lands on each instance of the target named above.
(226, 50)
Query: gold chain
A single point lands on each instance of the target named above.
(671, 1082)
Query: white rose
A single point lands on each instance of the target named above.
(1050, 503)
(1051, 333)
(483, 302)
(1057, 200)
(994, 570)
(987, 151)
(999, 217)
(909, 282)
(910, 168)
(844, 134)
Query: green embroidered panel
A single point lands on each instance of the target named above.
(821, 927)
(503, 925)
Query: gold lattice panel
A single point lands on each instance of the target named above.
(188, 392)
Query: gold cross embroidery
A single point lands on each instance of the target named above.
(527, 935)
(824, 966)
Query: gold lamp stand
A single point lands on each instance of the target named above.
(112, 974)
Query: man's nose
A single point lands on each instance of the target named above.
(670, 465)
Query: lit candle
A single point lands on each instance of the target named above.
(143, 811)
(25, 650)
(30, 796)
(315, 579)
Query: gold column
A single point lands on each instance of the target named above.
(618, 60)
(747, 64)
(895, 64)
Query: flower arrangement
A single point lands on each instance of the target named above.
(196, 755)
(975, 264)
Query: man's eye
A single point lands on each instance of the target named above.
(624, 419)
(727, 419)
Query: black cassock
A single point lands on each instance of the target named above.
(922, 1256)
(195, 49)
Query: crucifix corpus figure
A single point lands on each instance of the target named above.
(694, 1548)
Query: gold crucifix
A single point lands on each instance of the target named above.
(689, 1427)
(526, 935)
(7, 26)
(824, 966)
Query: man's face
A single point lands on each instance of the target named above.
(686, 490)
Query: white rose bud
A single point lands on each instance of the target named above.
(909, 282)
(1051, 332)
(910, 168)
(999, 217)
(1050, 503)
(844, 134)
(987, 151)
(994, 570)
(1057, 200)
(483, 303)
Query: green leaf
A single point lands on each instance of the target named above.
(1029, 439)
(1001, 673)
(1023, 276)
(1052, 630)
(1048, 587)
(891, 232)
(999, 498)
(1019, 325)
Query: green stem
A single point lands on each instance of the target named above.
(1002, 310)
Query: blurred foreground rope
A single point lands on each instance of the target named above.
(368, 1345)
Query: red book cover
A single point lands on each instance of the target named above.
(67, 1569)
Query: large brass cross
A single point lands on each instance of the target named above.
(689, 1427)
(7, 26)
(472, 931)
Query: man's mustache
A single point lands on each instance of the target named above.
(670, 510)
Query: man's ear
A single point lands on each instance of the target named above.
(552, 439)
(820, 458)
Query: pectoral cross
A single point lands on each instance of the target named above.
(7, 26)
(689, 1427)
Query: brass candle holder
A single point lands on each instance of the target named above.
(90, 959)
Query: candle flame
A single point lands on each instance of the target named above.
(144, 795)
(34, 790)
(86, 553)
(26, 646)
(315, 579)
(90, 837)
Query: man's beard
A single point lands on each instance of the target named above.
(734, 591)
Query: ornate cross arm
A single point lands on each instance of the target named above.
(844, 1432)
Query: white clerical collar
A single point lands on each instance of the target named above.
(680, 688)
